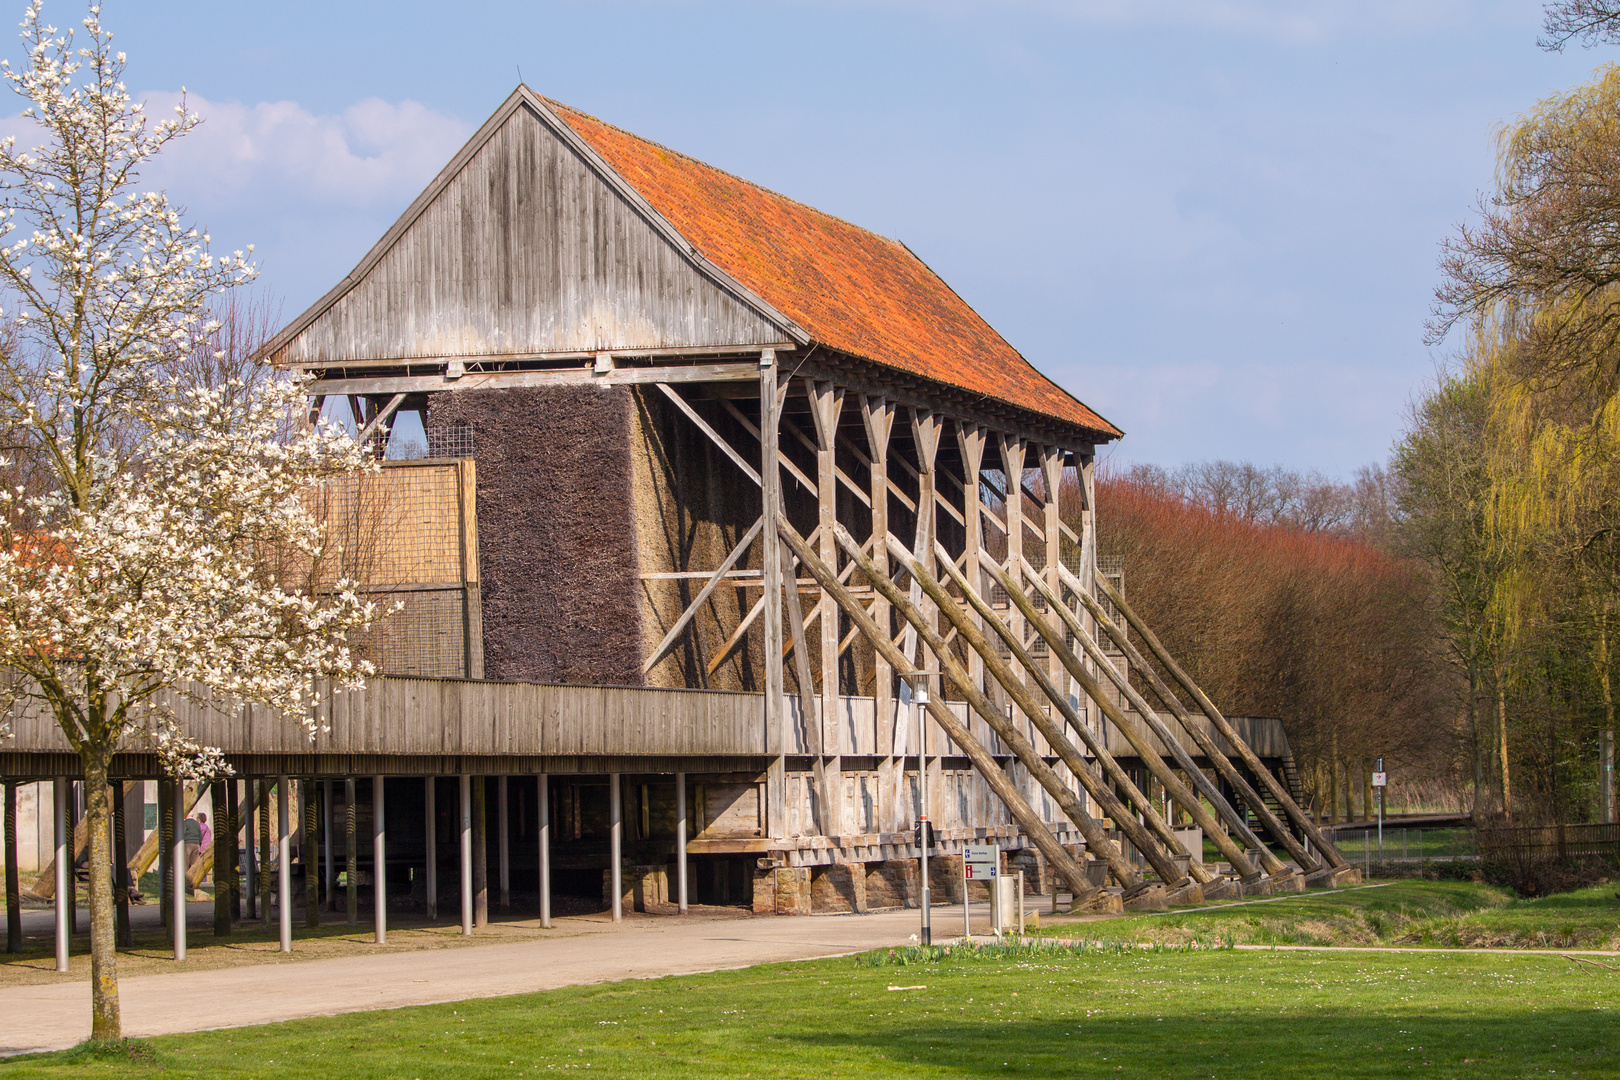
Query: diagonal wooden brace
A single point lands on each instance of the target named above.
(1062, 862)
(1299, 818)
(1097, 840)
(1060, 701)
(1145, 842)
(1156, 764)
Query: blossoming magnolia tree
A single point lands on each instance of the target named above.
(136, 553)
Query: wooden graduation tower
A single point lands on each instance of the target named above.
(713, 439)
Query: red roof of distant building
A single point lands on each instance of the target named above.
(849, 288)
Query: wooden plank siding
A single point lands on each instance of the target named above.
(524, 250)
(457, 717)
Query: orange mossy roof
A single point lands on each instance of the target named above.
(849, 288)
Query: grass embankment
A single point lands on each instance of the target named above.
(1433, 913)
(1097, 1012)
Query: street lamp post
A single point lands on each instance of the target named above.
(918, 681)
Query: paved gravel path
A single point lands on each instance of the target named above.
(587, 949)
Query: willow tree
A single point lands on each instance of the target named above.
(1540, 269)
(132, 562)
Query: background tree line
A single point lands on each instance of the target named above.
(1455, 610)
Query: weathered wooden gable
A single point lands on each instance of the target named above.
(525, 247)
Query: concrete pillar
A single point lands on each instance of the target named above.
(466, 856)
(616, 844)
(680, 840)
(177, 864)
(64, 855)
(284, 860)
(432, 857)
(379, 862)
(544, 788)
(503, 825)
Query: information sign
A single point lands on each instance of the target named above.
(1380, 779)
(979, 863)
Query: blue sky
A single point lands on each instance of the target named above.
(1215, 221)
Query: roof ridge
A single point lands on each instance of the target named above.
(756, 185)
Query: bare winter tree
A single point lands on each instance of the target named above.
(1589, 22)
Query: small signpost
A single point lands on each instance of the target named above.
(1380, 781)
(981, 864)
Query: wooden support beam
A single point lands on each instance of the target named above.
(753, 429)
(702, 597)
(826, 406)
(877, 417)
(1275, 827)
(770, 412)
(889, 485)
(842, 477)
(1097, 841)
(379, 419)
(506, 380)
(1232, 820)
(1033, 827)
(1057, 737)
(714, 436)
(1154, 849)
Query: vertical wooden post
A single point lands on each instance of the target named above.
(13, 882)
(1012, 450)
(379, 861)
(123, 934)
(312, 852)
(926, 429)
(264, 852)
(64, 852)
(351, 854)
(233, 821)
(970, 444)
(503, 827)
(480, 851)
(616, 844)
(222, 860)
(75, 822)
(771, 571)
(328, 832)
(177, 865)
(681, 841)
(250, 872)
(164, 848)
(284, 860)
(544, 786)
(877, 415)
(1051, 459)
(431, 855)
(466, 855)
(826, 404)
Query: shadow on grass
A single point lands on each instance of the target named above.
(1156, 1043)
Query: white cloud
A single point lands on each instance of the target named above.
(374, 153)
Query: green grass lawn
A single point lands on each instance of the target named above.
(1099, 1013)
(1443, 913)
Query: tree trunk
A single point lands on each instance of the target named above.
(1474, 740)
(1502, 746)
(1333, 782)
(105, 1025)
